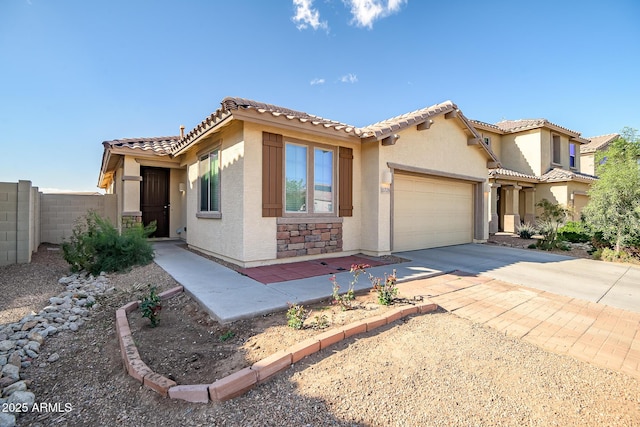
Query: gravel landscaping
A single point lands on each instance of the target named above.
(434, 369)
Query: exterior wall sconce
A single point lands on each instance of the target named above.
(182, 188)
(387, 178)
(390, 140)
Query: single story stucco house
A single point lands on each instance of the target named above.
(258, 184)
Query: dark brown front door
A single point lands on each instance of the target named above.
(154, 199)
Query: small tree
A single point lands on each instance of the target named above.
(614, 200)
(553, 216)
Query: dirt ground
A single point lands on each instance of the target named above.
(424, 370)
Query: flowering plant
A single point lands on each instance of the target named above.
(345, 300)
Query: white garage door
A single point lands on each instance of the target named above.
(431, 212)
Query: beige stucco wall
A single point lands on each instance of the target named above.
(496, 142)
(523, 152)
(178, 202)
(587, 163)
(259, 232)
(131, 185)
(222, 236)
(242, 235)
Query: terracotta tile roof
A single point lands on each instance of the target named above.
(525, 124)
(557, 174)
(231, 104)
(161, 145)
(405, 120)
(598, 142)
(553, 175)
(501, 172)
(489, 126)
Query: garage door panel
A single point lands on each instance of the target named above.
(431, 212)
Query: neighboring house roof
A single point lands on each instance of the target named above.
(486, 126)
(598, 143)
(553, 175)
(508, 173)
(526, 124)
(559, 175)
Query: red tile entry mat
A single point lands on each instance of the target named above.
(303, 269)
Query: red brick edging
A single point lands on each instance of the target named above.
(242, 381)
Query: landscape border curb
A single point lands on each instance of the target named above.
(239, 382)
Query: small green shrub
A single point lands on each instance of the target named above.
(227, 336)
(319, 322)
(385, 287)
(296, 316)
(574, 232)
(151, 306)
(532, 246)
(526, 230)
(95, 246)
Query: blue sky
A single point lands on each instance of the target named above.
(74, 73)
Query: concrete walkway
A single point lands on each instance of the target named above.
(577, 326)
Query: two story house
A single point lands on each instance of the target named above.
(588, 151)
(539, 160)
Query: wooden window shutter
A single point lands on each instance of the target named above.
(345, 182)
(271, 174)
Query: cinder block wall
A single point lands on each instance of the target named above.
(59, 212)
(19, 216)
(28, 217)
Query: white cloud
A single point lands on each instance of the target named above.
(306, 16)
(316, 82)
(366, 12)
(349, 78)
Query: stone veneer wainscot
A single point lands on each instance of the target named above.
(306, 238)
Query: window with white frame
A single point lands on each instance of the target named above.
(309, 179)
(487, 141)
(556, 149)
(209, 181)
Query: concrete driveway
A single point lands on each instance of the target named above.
(607, 283)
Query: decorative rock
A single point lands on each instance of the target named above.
(53, 358)
(32, 354)
(7, 420)
(37, 337)
(17, 386)
(57, 300)
(29, 325)
(7, 345)
(22, 397)
(6, 381)
(3, 360)
(15, 358)
(73, 326)
(25, 364)
(11, 371)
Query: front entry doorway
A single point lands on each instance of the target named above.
(154, 199)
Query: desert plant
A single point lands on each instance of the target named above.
(526, 230)
(553, 216)
(95, 246)
(345, 301)
(386, 288)
(296, 316)
(150, 306)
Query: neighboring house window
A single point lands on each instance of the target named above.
(298, 173)
(487, 141)
(572, 155)
(556, 149)
(210, 181)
